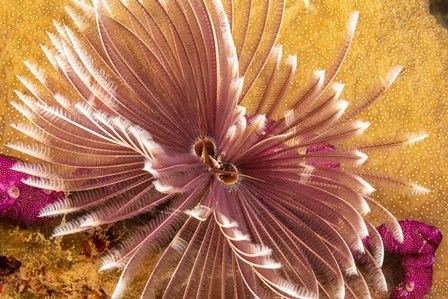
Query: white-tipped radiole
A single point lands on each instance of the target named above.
(418, 190)
(361, 158)
(414, 138)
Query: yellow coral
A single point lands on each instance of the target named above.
(400, 32)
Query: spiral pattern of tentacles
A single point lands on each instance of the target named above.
(144, 113)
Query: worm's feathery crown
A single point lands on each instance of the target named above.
(151, 119)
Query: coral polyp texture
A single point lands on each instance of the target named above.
(19, 201)
(173, 111)
(417, 254)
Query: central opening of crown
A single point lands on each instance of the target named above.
(227, 173)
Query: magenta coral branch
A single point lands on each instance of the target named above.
(18, 201)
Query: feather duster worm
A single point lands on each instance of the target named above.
(150, 119)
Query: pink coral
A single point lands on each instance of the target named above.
(19, 201)
(420, 242)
